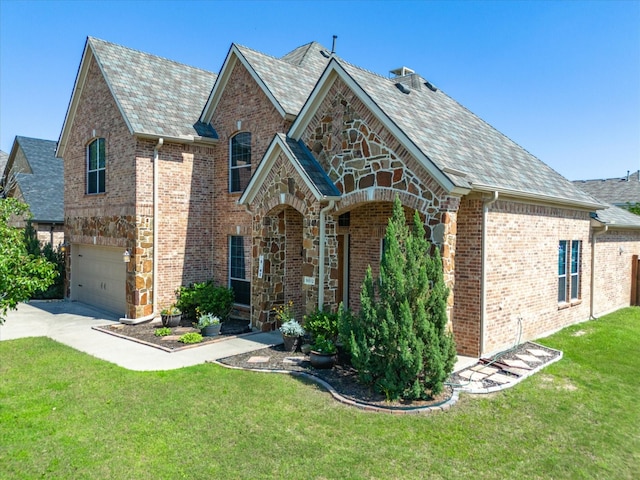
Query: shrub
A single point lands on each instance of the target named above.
(52, 255)
(324, 345)
(162, 332)
(191, 337)
(205, 297)
(322, 322)
(399, 342)
(292, 329)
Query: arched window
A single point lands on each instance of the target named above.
(240, 162)
(96, 166)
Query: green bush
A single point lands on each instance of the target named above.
(322, 323)
(162, 332)
(204, 297)
(52, 255)
(191, 337)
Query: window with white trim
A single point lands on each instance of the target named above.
(96, 164)
(240, 269)
(569, 270)
(239, 161)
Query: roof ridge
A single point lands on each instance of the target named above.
(623, 177)
(152, 55)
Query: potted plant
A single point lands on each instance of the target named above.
(283, 313)
(291, 331)
(208, 324)
(171, 316)
(323, 353)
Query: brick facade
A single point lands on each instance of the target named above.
(369, 166)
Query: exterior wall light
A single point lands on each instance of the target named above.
(126, 256)
(64, 248)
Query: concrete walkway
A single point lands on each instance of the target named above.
(71, 323)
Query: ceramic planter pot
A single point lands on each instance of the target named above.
(322, 360)
(290, 343)
(171, 320)
(211, 330)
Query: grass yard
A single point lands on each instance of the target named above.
(66, 415)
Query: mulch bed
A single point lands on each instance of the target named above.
(342, 377)
(145, 333)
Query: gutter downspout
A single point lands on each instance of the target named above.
(595, 234)
(135, 321)
(486, 203)
(323, 221)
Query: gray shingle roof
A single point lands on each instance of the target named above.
(43, 190)
(617, 191)
(157, 96)
(292, 77)
(617, 217)
(453, 138)
(4, 157)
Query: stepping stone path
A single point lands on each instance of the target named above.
(481, 377)
(258, 360)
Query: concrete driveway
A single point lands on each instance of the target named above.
(71, 323)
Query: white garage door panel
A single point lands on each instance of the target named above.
(100, 279)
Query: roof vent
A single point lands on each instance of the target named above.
(403, 88)
(430, 86)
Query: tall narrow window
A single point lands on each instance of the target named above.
(240, 162)
(568, 270)
(96, 166)
(240, 269)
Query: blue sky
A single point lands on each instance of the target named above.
(561, 78)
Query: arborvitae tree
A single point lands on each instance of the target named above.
(399, 342)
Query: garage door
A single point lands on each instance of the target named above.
(99, 277)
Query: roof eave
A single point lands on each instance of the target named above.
(547, 199)
(182, 139)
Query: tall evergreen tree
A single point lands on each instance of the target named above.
(399, 342)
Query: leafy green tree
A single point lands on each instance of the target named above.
(635, 208)
(54, 255)
(399, 342)
(21, 273)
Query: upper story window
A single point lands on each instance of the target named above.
(240, 162)
(96, 166)
(568, 270)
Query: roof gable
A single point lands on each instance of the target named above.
(303, 161)
(286, 81)
(157, 97)
(459, 149)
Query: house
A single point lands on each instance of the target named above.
(34, 175)
(620, 191)
(277, 177)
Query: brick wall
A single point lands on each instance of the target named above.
(522, 271)
(613, 259)
(241, 101)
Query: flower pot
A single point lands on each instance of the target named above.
(211, 330)
(290, 342)
(171, 320)
(322, 360)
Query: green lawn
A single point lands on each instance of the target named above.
(64, 414)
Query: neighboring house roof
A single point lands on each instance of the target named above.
(157, 97)
(4, 157)
(42, 183)
(616, 217)
(451, 141)
(617, 191)
(287, 81)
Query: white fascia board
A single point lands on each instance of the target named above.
(329, 76)
(538, 198)
(76, 93)
(233, 57)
